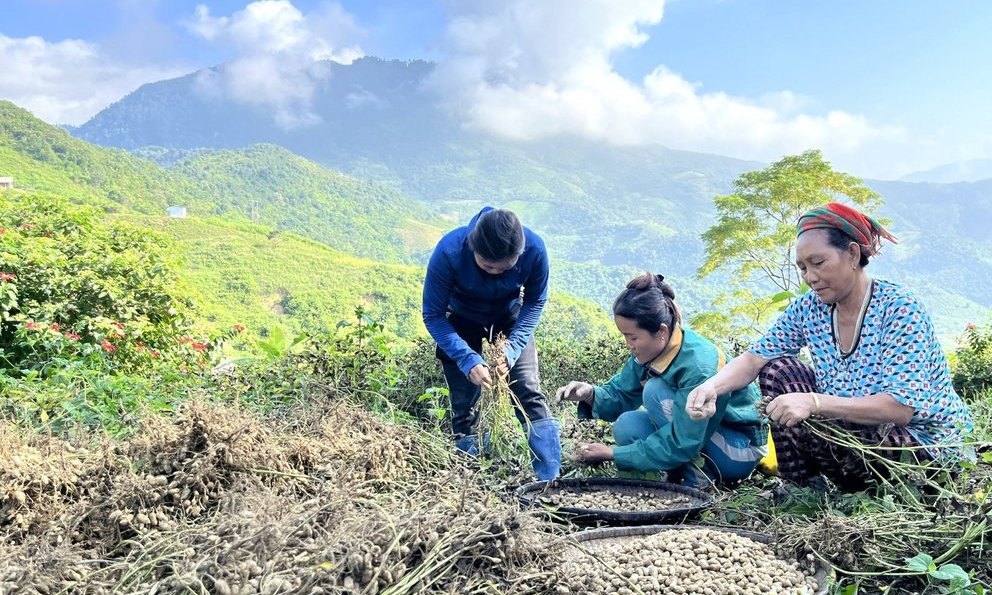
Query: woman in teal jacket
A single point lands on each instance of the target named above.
(646, 399)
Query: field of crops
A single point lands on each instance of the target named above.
(147, 449)
(329, 498)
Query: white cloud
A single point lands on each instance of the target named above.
(282, 55)
(67, 82)
(364, 98)
(527, 70)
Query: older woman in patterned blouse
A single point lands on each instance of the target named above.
(878, 370)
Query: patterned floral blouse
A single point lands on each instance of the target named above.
(897, 354)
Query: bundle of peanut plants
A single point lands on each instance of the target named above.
(919, 527)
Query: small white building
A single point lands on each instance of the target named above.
(6, 182)
(176, 212)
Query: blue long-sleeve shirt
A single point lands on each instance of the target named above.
(456, 284)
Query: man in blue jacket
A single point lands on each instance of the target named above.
(483, 279)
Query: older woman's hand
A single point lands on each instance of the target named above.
(591, 453)
(701, 402)
(791, 408)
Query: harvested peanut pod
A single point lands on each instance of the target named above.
(684, 561)
(605, 499)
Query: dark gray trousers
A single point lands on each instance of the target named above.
(525, 379)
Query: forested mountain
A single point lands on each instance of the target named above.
(972, 170)
(604, 211)
(44, 158)
(361, 237)
(269, 184)
(944, 250)
(261, 184)
(569, 188)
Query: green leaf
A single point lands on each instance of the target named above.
(950, 572)
(299, 342)
(960, 583)
(920, 562)
(275, 345)
(269, 348)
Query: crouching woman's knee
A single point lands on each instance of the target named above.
(632, 426)
(659, 400)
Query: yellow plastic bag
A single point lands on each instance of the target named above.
(769, 463)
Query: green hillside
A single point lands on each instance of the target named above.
(264, 183)
(268, 184)
(250, 274)
(44, 158)
(603, 210)
(256, 276)
(359, 234)
(244, 274)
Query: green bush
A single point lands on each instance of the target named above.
(595, 360)
(973, 372)
(360, 360)
(95, 326)
(74, 287)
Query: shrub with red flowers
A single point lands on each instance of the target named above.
(74, 286)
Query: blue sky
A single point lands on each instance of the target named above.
(884, 87)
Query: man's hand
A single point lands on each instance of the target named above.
(479, 375)
(579, 392)
(791, 408)
(591, 453)
(503, 365)
(502, 368)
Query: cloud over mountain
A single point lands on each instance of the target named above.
(529, 70)
(515, 69)
(281, 55)
(68, 81)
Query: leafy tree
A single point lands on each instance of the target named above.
(753, 240)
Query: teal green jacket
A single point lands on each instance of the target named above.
(687, 361)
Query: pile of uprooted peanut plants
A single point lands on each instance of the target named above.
(329, 499)
(219, 500)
